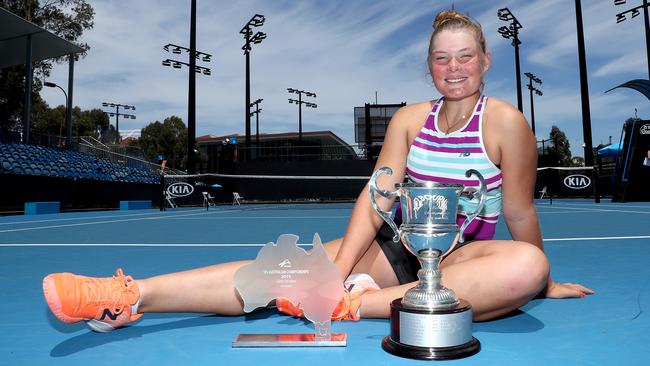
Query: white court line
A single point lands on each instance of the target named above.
(109, 221)
(567, 211)
(619, 205)
(82, 218)
(117, 215)
(261, 245)
(600, 209)
(134, 245)
(601, 238)
(265, 217)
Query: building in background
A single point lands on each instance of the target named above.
(219, 154)
(370, 125)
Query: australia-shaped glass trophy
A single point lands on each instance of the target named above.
(309, 280)
(430, 322)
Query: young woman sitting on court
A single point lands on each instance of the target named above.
(431, 141)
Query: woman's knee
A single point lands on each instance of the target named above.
(526, 272)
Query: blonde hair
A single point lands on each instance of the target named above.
(453, 20)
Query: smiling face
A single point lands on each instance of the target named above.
(457, 63)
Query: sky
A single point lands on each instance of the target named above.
(350, 53)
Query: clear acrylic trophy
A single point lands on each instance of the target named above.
(284, 270)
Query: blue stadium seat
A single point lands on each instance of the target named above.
(39, 160)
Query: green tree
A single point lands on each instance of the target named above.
(48, 121)
(65, 18)
(168, 139)
(559, 154)
(89, 123)
(51, 121)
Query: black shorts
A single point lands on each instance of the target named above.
(404, 264)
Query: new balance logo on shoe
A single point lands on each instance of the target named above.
(108, 313)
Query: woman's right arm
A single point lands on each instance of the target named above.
(365, 222)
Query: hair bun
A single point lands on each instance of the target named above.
(447, 15)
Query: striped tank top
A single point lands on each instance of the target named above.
(444, 158)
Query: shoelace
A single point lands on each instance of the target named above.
(113, 293)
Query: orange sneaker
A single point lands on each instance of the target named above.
(355, 285)
(103, 303)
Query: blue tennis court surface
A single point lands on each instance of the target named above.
(604, 246)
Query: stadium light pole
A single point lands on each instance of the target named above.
(300, 102)
(247, 31)
(191, 93)
(512, 31)
(117, 115)
(53, 85)
(193, 55)
(620, 17)
(256, 112)
(532, 78)
(584, 96)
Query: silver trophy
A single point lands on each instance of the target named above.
(429, 322)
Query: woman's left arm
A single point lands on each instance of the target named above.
(518, 153)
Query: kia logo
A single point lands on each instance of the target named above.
(577, 181)
(180, 189)
(645, 130)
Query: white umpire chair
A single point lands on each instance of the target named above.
(236, 198)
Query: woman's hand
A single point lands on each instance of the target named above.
(564, 290)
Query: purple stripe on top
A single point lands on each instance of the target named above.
(477, 230)
(450, 140)
(430, 123)
(467, 182)
(473, 124)
(436, 105)
(456, 150)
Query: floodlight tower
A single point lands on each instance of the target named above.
(584, 97)
(620, 17)
(532, 78)
(202, 56)
(247, 31)
(300, 102)
(117, 115)
(512, 32)
(191, 94)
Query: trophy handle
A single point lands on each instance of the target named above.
(482, 191)
(372, 184)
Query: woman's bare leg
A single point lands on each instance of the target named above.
(211, 289)
(203, 290)
(496, 277)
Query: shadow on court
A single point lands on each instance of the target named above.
(92, 339)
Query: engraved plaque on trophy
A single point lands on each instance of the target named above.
(311, 281)
(429, 322)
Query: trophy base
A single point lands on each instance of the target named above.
(441, 334)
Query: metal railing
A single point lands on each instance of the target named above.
(129, 161)
(91, 141)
